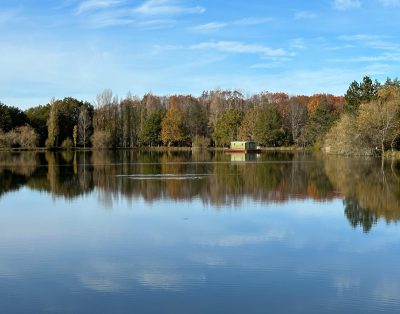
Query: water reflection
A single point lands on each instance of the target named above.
(197, 232)
(369, 190)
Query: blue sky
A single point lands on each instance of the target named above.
(80, 47)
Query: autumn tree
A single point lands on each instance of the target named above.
(379, 120)
(216, 109)
(375, 128)
(53, 125)
(344, 139)
(172, 131)
(247, 129)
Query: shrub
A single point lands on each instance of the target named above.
(23, 136)
(26, 136)
(102, 139)
(200, 142)
(67, 143)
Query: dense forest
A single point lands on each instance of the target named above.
(363, 121)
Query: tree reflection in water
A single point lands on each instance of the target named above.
(370, 191)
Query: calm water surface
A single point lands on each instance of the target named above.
(198, 232)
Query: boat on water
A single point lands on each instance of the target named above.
(243, 147)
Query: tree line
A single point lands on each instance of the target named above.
(213, 119)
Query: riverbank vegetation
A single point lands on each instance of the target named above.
(364, 121)
(370, 123)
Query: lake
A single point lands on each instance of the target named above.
(198, 232)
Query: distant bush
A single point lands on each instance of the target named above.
(4, 142)
(23, 137)
(67, 143)
(28, 137)
(200, 142)
(102, 139)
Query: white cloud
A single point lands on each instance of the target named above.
(344, 283)
(386, 57)
(232, 240)
(336, 48)
(298, 43)
(358, 37)
(305, 15)
(239, 47)
(387, 291)
(252, 21)
(390, 3)
(90, 5)
(108, 18)
(377, 69)
(373, 41)
(169, 280)
(7, 16)
(157, 23)
(166, 7)
(270, 65)
(216, 26)
(346, 4)
(208, 27)
(151, 13)
(384, 45)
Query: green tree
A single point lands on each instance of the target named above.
(359, 216)
(268, 127)
(195, 119)
(64, 115)
(130, 121)
(11, 117)
(263, 125)
(37, 118)
(320, 122)
(150, 133)
(358, 93)
(227, 126)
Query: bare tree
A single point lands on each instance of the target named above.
(84, 126)
(297, 119)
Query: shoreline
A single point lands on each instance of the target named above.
(153, 148)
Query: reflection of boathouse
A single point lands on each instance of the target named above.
(244, 157)
(243, 147)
